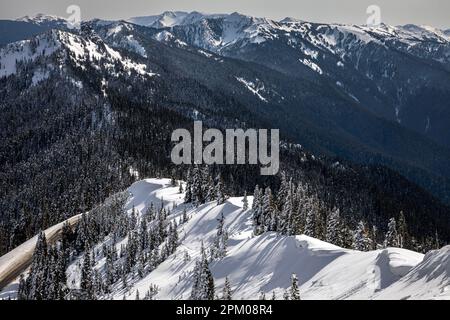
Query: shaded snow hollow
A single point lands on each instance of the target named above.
(264, 263)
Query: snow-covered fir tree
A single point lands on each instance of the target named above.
(267, 210)
(86, 283)
(219, 249)
(227, 292)
(188, 190)
(286, 217)
(333, 234)
(245, 202)
(361, 240)
(310, 221)
(220, 192)
(203, 281)
(402, 230)
(391, 239)
(294, 290)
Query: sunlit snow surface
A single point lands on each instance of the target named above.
(264, 263)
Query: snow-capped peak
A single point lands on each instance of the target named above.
(166, 19)
(41, 18)
(290, 20)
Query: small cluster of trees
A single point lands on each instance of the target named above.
(296, 209)
(150, 238)
(47, 277)
(203, 281)
(201, 187)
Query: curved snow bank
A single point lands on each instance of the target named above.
(430, 279)
(359, 275)
(316, 245)
(401, 261)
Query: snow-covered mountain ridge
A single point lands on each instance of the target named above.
(264, 263)
(226, 29)
(390, 70)
(83, 51)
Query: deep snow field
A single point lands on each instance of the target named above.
(265, 263)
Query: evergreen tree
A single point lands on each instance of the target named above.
(39, 270)
(402, 230)
(437, 245)
(86, 284)
(267, 210)
(245, 202)
(198, 195)
(334, 228)
(173, 237)
(257, 211)
(23, 290)
(203, 284)
(188, 195)
(391, 239)
(310, 221)
(256, 200)
(373, 238)
(283, 190)
(219, 250)
(286, 219)
(294, 290)
(361, 241)
(227, 293)
(220, 193)
(143, 235)
(184, 217)
(210, 190)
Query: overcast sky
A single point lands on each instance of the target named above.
(429, 12)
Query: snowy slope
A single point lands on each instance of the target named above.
(428, 279)
(166, 19)
(264, 263)
(82, 51)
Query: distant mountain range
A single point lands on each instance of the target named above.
(369, 94)
(85, 109)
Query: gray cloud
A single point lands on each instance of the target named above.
(429, 12)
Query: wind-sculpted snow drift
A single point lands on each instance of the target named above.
(265, 263)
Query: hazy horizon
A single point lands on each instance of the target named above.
(433, 13)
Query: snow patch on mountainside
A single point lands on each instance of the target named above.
(26, 51)
(87, 50)
(253, 87)
(311, 65)
(82, 51)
